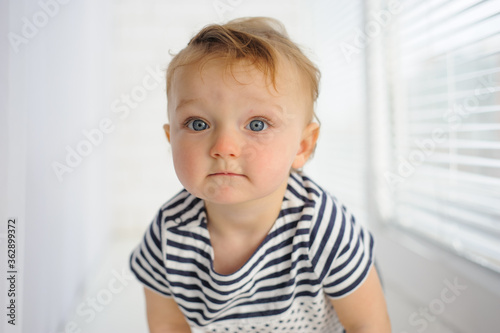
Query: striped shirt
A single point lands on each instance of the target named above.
(315, 251)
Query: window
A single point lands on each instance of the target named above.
(442, 61)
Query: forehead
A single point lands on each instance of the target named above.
(232, 73)
(241, 83)
(218, 76)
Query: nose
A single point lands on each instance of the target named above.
(226, 143)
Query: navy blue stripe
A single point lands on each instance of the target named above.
(287, 283)
(189, 248)
(174, 258)
(195, 216)
(281, 298)
(326, 236)
(311, 190)
(354, 284)
(274, 299)
(351, 237)
(309, 180)
(171, 205)
(348, 275)
(306, 201)
(197, 299)
(157, 243)
(159, 262)
(186, 209)
(269, 312)
(349, 245)
(204, 284)
(287, 270)
(291, 210)
(300, 183)
(265, 255)
(279, 231)
(189, 234)
(151, 232)
(239, 301)
(317, 222)
(274, 234)
(297, 181)
(333, 252)
(138, 275)
(288, 256)
(302, 231)
(146, 283)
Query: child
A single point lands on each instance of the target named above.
(252, 244)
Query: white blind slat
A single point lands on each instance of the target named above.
(441, 56)
(437, 113)
(479, 201)
(469, 144)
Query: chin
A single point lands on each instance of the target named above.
(221, 196)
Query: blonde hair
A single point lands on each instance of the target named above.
(259, 40)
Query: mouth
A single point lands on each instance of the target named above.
(226, 174)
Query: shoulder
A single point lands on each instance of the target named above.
(331, 227)
(302, 190)
(180, 210)
(321, 213)
(303, 187)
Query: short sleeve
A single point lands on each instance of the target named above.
(341, 248)
(146, 261)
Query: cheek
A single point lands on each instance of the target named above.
(187, 158)
(277, 154)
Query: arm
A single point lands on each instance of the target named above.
(164, 316)
(364, 310)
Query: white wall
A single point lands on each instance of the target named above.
(57, 86)
(4, 81)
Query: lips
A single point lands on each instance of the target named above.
(225, 173)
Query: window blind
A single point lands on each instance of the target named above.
(443, 71)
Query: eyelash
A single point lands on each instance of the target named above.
(264, 119)
(267, 121)
(189, 120)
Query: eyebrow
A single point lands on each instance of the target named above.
(277, 106)
(274, 106)
(185, 102)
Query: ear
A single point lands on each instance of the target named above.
(307, 144)
(166, 128)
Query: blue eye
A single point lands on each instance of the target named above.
(197, 125)
(257, 125)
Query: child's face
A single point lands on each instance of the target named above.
(236, 141)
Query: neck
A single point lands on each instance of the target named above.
(247, 218)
